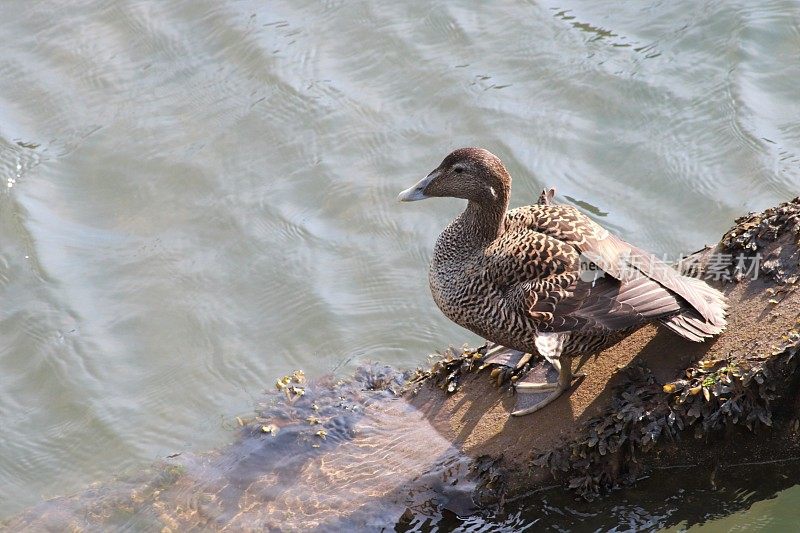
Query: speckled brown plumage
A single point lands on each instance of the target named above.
(511, 276)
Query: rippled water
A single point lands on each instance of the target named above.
(198, 195)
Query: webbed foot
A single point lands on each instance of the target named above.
(549, 345)
(511, 364)
(556, 389)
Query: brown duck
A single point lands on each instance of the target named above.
(547, 279)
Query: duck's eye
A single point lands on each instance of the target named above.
(458, 169)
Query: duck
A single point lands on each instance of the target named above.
(546, 279)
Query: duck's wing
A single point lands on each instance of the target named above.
(621, 260)
(539, 278)
(607, 304)
(533, 274)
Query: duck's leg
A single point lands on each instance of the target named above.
(550, 346)
(509, 362)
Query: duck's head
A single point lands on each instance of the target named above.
(473, 174)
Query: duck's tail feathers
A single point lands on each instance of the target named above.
(690, 324)
(707, 301)
(546, 196)
(717, 303)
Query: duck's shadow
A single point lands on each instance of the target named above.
(665, 354)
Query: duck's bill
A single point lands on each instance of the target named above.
(417, 191)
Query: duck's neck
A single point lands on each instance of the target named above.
(484, 222)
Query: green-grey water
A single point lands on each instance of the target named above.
(198, 196)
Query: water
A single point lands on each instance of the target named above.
(199, 196)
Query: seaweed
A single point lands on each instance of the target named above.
(490, 481)
(755, 232)
(712, 397)
(447, 371)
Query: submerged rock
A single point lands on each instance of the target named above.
(342, 455)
